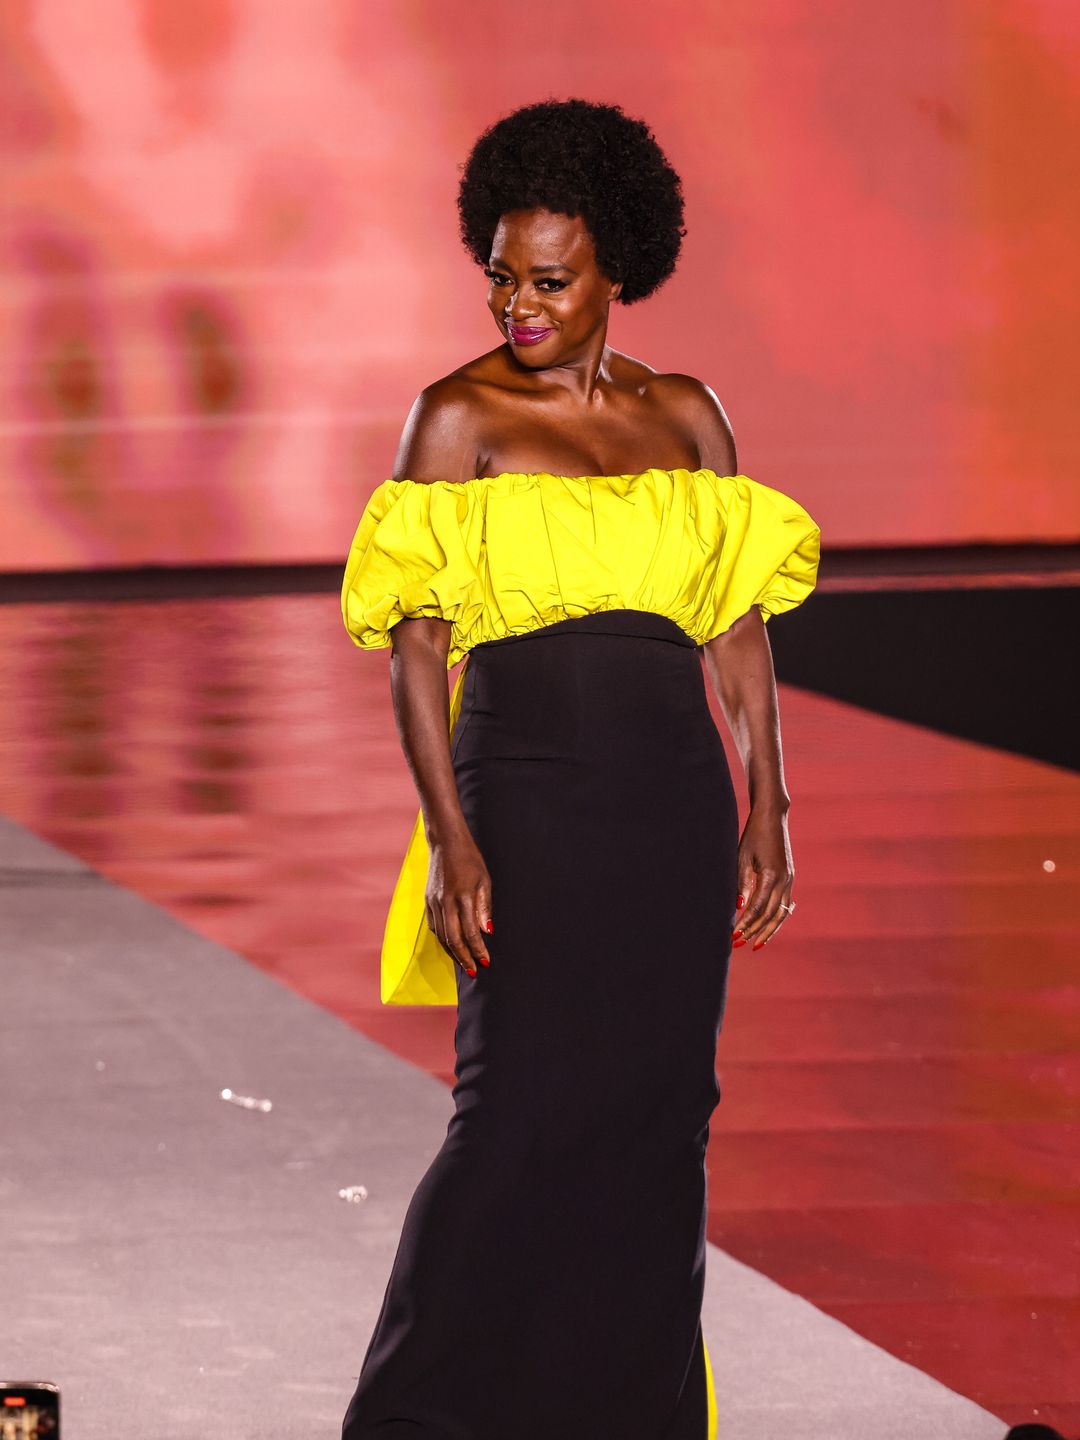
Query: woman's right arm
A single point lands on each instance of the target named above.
(436, 445)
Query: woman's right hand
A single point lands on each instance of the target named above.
(458, 900)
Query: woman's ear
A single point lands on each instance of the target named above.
(615, 291)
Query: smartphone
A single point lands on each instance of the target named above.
(29, 1410)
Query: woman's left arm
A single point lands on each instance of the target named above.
(740, 666)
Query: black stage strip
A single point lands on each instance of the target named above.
(993, 665)
(911, 632)
(849, 566)
(168, 582)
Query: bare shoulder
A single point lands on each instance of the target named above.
(697, 407)
(688, 405)
(438, 441)
(443, 435)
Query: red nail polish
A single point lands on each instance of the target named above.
(471, 974)
(485, 960)
(737, 943)
(758, 946)
(488, 927)
(740, 902)
(735, 934)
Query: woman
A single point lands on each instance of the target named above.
(570, 521)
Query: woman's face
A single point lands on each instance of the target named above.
(546, 293)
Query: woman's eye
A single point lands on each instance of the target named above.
(497, 279)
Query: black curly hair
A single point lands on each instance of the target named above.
(577, 157)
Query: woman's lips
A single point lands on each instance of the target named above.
(528, 334)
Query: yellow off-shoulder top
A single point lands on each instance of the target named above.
(506, 554)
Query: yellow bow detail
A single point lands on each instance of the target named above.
(414, 968)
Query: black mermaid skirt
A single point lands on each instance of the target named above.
(549, 1277)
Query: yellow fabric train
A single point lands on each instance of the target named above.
(507, 554)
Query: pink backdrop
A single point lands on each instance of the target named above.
(229, 235)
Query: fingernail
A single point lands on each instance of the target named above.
(738, 943)
(488, 927)
(758, 946)
(735, 934)
(740, 902)
(471, 974)
(485, 960)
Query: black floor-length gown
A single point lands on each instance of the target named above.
(550, 1272)
(549, 1278)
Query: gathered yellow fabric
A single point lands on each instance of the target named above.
(507, 554)
(504, 555)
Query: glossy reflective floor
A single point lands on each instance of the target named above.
(199, 1260)
(897, 1137)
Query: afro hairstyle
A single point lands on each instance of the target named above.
(577, 157)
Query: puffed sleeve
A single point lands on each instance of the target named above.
(766, 554)
(415, 552)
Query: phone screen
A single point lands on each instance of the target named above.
(29, 1412)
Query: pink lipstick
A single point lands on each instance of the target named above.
(528, 334)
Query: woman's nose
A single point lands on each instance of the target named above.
(519, 308)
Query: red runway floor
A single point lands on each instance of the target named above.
(897, 1140)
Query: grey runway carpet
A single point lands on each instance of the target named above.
(184, 1266)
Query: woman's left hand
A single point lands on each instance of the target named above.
(766, 875)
